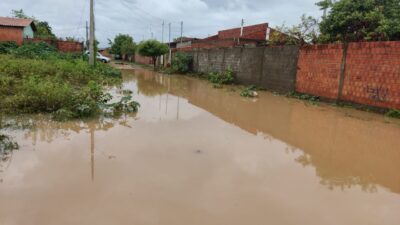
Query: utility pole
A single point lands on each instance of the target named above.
(92, 54)
(162, 41)
(87, 36)
(181, 31)
(169, 43)
(162, 36)
(241, 28)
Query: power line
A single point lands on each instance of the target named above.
(81, 19)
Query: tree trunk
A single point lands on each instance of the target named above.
(155, 62)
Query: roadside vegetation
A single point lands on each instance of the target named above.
(249, 92)
(344, 21)
(123, 46)
(153, 49)
(218, 79)
(393, 113)
(181, 63)
(35, 78)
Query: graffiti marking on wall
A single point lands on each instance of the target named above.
(378, 93)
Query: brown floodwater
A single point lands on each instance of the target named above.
(198, 155)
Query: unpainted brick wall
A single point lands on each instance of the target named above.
(69, 46)
(318, 70)
(11, 34)
(62, 46)
(371, 73)
(143, 60)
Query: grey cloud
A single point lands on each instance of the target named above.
(140, 18)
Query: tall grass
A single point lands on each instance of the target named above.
(49, 85)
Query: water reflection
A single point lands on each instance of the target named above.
(346, 147)
(193, 151)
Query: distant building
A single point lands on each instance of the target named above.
(247, 36)
(13, 29)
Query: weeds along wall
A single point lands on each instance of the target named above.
(272, 68)
(62, 46)
(366, 73)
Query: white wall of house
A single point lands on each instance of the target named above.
(28, 32)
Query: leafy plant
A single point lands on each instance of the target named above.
(6, 146)
(7, 47)
(39, 50)
(311, 98)
(67, 88)
(123, 44)
(182, 62)
(226, 77)
(394, 113)
(360, 20)
(305, 33)
(124, 105)
(153, 49)
(249, 92)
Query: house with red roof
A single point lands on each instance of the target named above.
(14, 29)
(241, 36)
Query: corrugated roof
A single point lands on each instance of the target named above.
(14, 22)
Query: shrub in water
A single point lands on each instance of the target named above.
(67, 88)
(226, 77)
(182, 62)
(394, 113)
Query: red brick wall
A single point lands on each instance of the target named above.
(11, 34)
(62, 46)
(143, 60)
(372, 74)
(318, 70)
(69, 46)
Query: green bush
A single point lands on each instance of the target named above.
(36, 51)
(7, 47)
(67, 88)
(394, 113)
(182, 62)
(249, 92)
(226, 77)
(6, 146)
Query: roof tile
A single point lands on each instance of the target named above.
(14, 22)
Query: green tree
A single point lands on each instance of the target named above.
(123, 45)
(360, 20)
(43, 28)
(153, 49)
(304, 33)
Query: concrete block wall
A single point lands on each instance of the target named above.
(251, 66)
(279, 68)
(270, 68)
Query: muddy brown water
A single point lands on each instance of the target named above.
(198, 155)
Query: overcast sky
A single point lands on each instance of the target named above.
(141, 18)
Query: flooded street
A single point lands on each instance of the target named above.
(195, 155)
